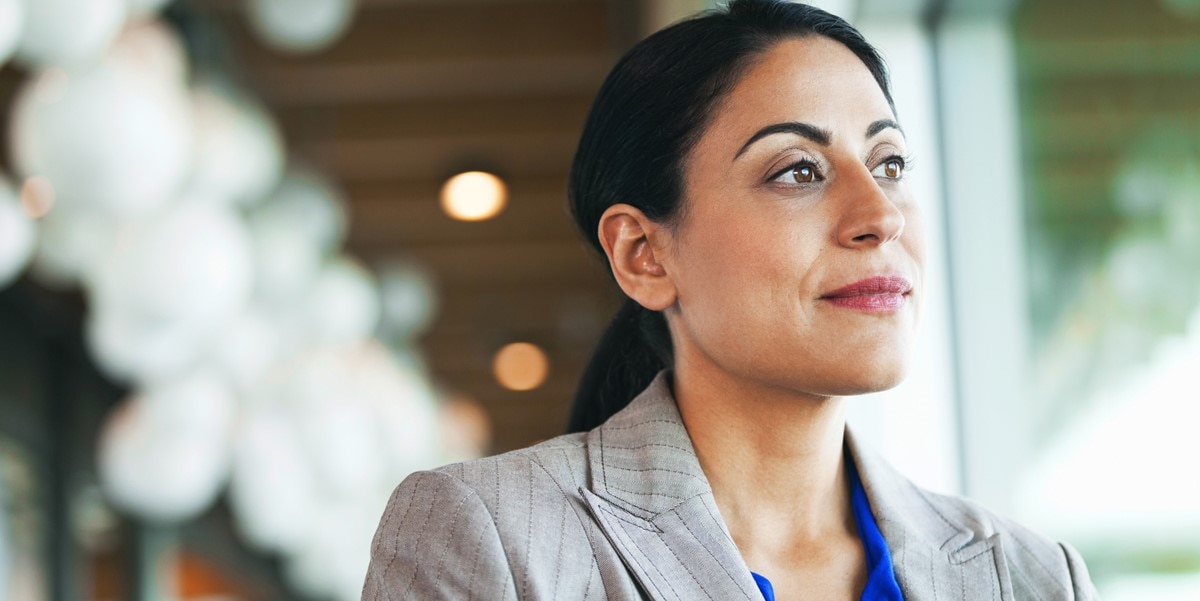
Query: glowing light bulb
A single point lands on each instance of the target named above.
(474, 196)
(521, 366)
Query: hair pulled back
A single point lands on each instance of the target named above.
(648, 115)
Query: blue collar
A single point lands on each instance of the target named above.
(881, 577)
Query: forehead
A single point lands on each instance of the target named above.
(812, 79)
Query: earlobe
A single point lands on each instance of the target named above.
(636, 248)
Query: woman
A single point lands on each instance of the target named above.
(743, 172)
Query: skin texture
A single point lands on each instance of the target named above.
(762, 361)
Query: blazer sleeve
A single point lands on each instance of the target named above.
(1081, 582)
(438, 541)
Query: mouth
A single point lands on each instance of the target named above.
(880, 294)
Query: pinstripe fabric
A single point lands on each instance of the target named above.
(625, 512)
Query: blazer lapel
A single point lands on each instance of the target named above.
(937, 551)
(651, 499)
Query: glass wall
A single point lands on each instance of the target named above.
(1109, 96)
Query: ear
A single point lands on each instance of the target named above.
(636, 247)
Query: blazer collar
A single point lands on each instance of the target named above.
(655, 505)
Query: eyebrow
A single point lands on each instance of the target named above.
(812, 132)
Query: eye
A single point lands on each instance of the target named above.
(804, 172)
(892, 168)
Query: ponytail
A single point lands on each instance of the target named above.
(636, 346)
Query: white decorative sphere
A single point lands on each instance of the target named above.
(246, 349)
(333, 561)
(409, 300)
(146, 7)
(68, 32)
(135, 350)
(106, 137)
(294, 230)
(190, 263)
(273, 491)
(163, 475)
(70, 243)
(199, 401)
(12, 21)
(239, 152)
(407, 414)
(152, 49)
(342, 306)
(300, 26)
(18, 235)
(340, 436)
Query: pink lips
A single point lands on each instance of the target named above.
(883, 294)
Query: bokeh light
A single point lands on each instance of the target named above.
(521, 366)
(474, 196)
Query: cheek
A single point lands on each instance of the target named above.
(744, 275)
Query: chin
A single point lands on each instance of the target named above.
(866, 378)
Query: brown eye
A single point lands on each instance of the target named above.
(800, 173)
(891, 169)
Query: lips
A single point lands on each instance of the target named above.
(876, 294)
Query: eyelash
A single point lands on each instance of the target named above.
(906, 163)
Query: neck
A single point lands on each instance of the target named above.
(772, 456)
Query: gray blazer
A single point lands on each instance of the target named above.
(625, 512)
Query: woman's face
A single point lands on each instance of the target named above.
(798, 261)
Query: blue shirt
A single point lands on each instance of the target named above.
(881, 578)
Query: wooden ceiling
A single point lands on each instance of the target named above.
(418, 90)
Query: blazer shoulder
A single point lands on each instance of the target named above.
(558, 462)
(1035, 561)
(453, 532)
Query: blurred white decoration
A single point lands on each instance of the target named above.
(37, 196)
(406, 404)
(1141, 267)
(146, 7)
(273, 490)
(409, 301)
(134, 350)
(327, 391)
(333, 562)
(342, 306)
(340, 435)
(70, 245)
(300, 26)
(465, 429)
(200, 402)
(247, 348)
(165, 455)
(187, 264)
(18, 235)
(300, 224)
(108, 136)
(12, 20)
(152, 49)
(68, 32)
(239, 151)
(1100, 483)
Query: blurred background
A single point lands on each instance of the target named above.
(261, 259)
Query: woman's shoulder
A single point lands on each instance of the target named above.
(1032, 559)
(449, 532)
(498, 482)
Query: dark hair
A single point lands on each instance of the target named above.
(650, 112)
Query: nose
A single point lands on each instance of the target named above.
(868, 217)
